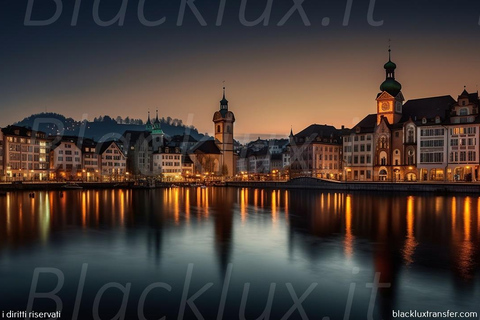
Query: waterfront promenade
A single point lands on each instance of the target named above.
(297, 183)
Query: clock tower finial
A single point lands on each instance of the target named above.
(224, 101)
(389, 50)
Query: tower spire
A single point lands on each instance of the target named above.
(389, 50)
(224, 101)
(148, 125)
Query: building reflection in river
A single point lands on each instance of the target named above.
(399, 236)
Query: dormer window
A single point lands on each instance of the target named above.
(424, 120)
(437, 119)
(463, 112)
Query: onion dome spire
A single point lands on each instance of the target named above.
(390, 85)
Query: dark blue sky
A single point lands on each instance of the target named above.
(291, 74)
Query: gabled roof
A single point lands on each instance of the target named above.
(427, 108)
(79, 142)
(317, 130)
(102, 146)
(133, 137)
(473, 97)
(186, 159)
(206, 147)
(366, 125)
(22, 131)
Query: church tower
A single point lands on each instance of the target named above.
(390, 99)
(223, 121)
(157, 134)
(148, 125)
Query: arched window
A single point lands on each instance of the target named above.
(410, 135)
(411, 157)
(383, 158)
(464, 112)
(383, 142)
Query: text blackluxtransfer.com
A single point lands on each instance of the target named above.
(433, 314)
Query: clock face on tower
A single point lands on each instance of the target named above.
(385, 106)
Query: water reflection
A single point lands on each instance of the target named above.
(410, 242)
(308, 234)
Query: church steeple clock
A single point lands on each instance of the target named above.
(390, 99)
(223, 120)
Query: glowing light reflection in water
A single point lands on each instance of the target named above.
(269, 235)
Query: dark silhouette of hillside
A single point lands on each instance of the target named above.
(102, 128)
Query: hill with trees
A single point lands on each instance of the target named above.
(101, 128)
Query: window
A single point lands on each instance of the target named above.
(433, 132)
(383, 142)
(433, 143)
(410, 135)
(471, 155)
(433, 157)
(218, 128)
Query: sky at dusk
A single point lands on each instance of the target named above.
(277, 77)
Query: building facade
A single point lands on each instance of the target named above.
(65, 159)
(25, 154)
(317, 151)
(112, 161)
(167, 163)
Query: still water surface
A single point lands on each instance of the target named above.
(247, 252)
